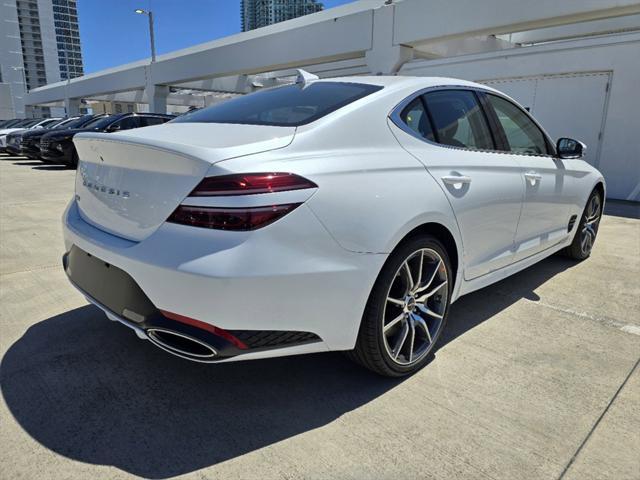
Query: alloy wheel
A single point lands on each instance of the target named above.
(415, 306)
(592, 216)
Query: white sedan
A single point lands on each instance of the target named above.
(336, 214)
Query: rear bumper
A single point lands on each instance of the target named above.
(115, 292)
(288, 277)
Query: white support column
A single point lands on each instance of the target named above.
(157, 98)
(385, 58)
(72, 106)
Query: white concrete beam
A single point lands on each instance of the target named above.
(461, 46)
(284, 45)
(136, 96)
(385, 57)
(577, 30)
(231, 84)
(419, 21)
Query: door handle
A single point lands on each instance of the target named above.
(456, 179)
(533, 177)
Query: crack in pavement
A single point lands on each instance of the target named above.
(597, 422)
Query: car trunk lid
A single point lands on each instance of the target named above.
(129, 183)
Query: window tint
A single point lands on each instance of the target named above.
(292, 105)
(148, 121)
(73, 122)
(99, 123)
(415, 117)
(458, 119)
(49, 122)
(27, 123)
(523, 136)
(128, 123)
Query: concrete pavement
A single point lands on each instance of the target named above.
(537, 378)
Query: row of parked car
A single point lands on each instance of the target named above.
(50, 139)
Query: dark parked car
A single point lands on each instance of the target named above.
(14, 139)
(16, 122)
(30, 145)
(57, 147)
(22, 124)
(8, 123)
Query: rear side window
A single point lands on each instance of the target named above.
(148, 121)
(458, 119)
(523, 136)
(128, 123)
(416, 118)
(288, 106)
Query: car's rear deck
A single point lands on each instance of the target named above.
(537, 378)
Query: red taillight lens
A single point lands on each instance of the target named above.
(237, 219)
(250, 183)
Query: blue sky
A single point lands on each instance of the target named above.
(112, 34)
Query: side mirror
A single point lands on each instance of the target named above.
(570, 148)
(114, 128)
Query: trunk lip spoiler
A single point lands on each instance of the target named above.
(211, 154)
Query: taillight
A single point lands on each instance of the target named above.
(244, 218)
(250, 184)
(238, 219)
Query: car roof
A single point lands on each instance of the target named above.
(401, 81)
(116, 116)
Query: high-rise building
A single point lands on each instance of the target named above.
(39, 44)
(260, 13)
(65, 20)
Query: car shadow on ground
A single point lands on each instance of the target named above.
(27, 162)
(38, 165)
(51, 168)
(88, 389)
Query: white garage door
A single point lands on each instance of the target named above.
(568, 105)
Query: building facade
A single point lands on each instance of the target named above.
(65, 18)
(113, 107)
(39, 45)
(260, 13)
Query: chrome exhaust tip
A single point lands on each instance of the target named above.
(181, 345)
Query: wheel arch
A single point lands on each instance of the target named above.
(448, 240)
(599, 186)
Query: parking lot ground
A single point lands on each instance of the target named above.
(537, 378)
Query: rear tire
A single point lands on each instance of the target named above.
(407, 309)
(587, 230)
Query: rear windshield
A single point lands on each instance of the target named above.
(288, 106)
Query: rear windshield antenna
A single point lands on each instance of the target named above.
(304, 78)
